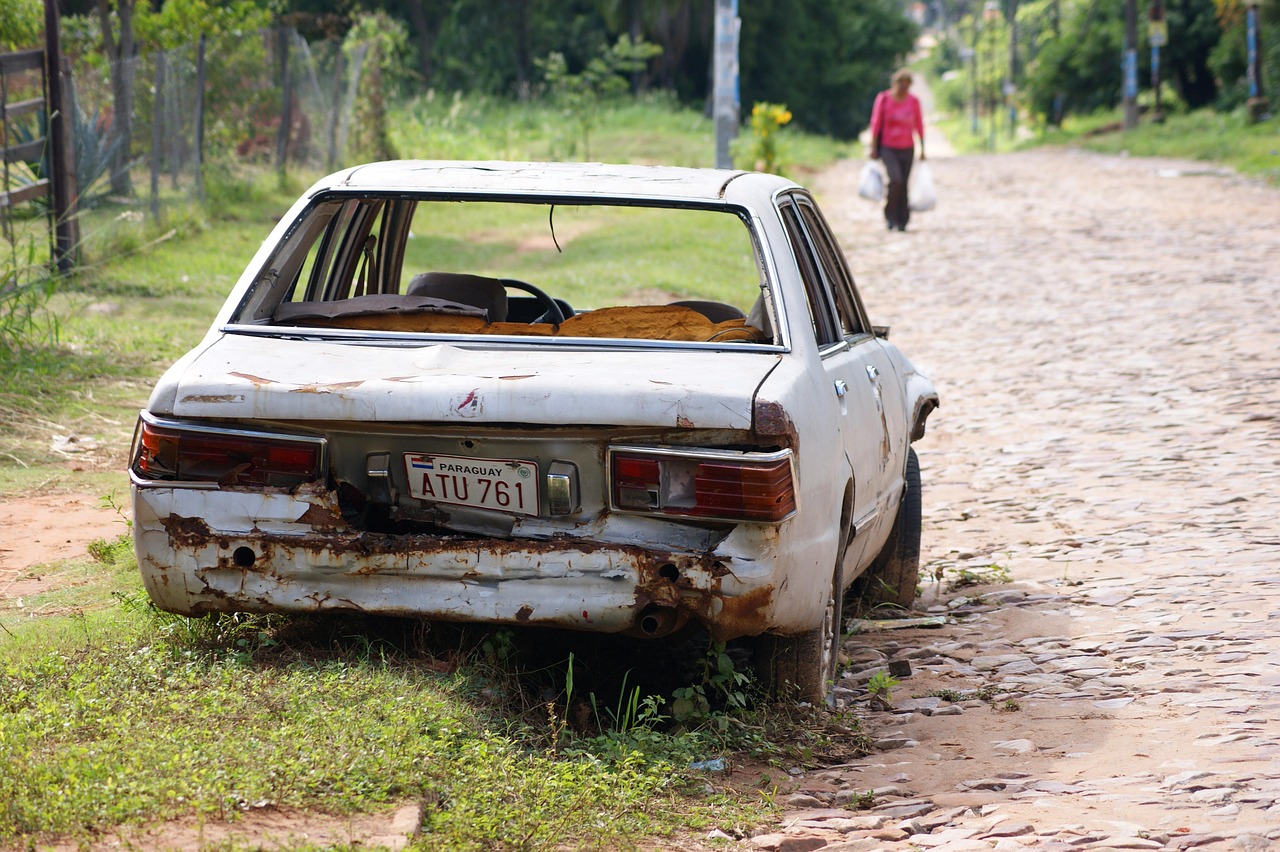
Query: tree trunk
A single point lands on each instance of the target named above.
(426, 37)
(121, 57)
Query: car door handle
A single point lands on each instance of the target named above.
(841, 388)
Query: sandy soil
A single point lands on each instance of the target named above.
(46, 529)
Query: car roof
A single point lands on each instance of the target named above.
(558, 179)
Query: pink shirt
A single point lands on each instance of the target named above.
(893, 120)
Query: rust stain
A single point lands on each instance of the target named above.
(322, 518)
(328, 387)
(772, 420)
(513, 378)
(688, 583)
(187, 532)
(213, 397)
(684, 422)
(257, 380)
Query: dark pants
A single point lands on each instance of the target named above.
(897, 164)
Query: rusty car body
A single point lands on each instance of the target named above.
(608, 398)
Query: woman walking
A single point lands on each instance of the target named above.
(895, 121)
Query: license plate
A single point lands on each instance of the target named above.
(507, 485)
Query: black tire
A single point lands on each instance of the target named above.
(893, 576)
(804, 666)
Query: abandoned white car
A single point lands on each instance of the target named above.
(608, 398)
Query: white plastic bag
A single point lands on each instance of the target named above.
(922, 195)
(871, 182)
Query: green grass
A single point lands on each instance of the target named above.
(1227, 138)
(136, 720)
(605, 254)
(116, 716)
(113, 714)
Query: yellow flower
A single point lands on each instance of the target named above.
(784, 117)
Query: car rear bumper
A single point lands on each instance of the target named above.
(203, 550)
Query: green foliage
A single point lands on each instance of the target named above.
(826, 60)
(881, 686)
(174, 23)
(582, 95)
(761, 149)
(113, 552)
(26, 286)
(1204, 134)
(21, 24)
(981, 576)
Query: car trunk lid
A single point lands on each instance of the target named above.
(243, 377)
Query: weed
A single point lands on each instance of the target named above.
(762, 149)
(984, 693)
(881, 687)
(861, 801)
(1010, 706)
(113, 552)
(985, 576)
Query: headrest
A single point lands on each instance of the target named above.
(486, 293)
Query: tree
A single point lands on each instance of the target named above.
(826, 61)
(121, 50)
(582, 94)
(21, 24)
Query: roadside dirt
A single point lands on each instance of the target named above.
(45, 529)
(1102, 333)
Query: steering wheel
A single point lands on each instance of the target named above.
(553, 313)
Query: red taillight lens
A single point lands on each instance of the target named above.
(636, 482)
(754, 492)
(189, 455)
(721, 485)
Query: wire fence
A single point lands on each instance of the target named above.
(158, 125)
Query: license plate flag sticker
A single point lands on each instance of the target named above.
(505, 485)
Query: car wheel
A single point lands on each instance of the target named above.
(804, 665)
(893, 576)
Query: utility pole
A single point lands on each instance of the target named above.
(1011, 84)
(975, 28)
(990, 17)
(725, 83)
(1158, 35)
(1257, 97)
(1129, 64)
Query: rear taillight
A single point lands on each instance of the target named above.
(184, 453)
(710, 484)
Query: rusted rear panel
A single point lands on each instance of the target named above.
(212, 561)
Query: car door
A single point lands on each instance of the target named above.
(860, 372)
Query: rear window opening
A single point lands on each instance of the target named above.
(401, 265)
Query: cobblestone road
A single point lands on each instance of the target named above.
(1104, 335)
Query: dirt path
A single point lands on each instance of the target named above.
(1102, 331)
(45, 529)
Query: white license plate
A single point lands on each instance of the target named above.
(507, 485)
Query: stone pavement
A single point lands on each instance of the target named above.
(1104, 335)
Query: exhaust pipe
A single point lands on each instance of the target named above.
(656, 620)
